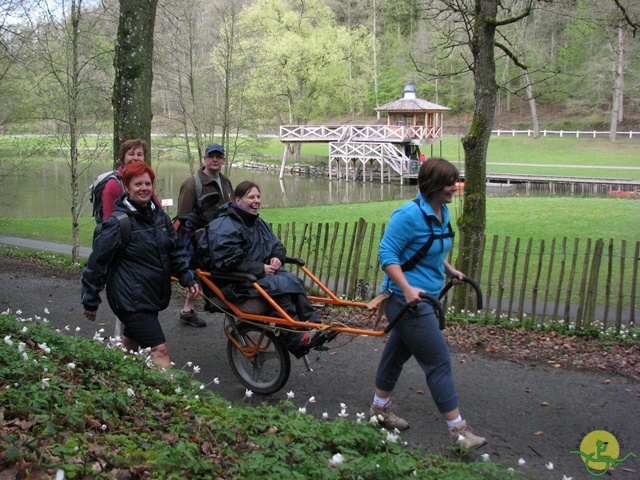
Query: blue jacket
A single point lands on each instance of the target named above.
(137, 275)
(405, 234)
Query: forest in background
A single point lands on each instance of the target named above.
(225, 67)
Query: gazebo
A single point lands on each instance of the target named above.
(389, 150)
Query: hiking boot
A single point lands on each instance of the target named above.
(191, 318)
(387, 418)
(462, 436)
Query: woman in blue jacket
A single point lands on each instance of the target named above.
(135, 257)
(417, 333)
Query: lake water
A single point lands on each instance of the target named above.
(44, 192)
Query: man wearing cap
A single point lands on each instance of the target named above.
(211, 181)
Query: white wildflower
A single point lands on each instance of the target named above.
(290, 395)
(216, 381)
(337, 459)
(103, 427)
(71, 365)
(130, 392)
(392, 438)
(8, 340)
(45, 383)
(521, 462)
(46, 311)
(248, 393)
(361, 416)
(312, 400)
(325, 416)
(485, 457)
(302, 410)
(549, 466)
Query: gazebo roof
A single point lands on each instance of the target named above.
(411, 105)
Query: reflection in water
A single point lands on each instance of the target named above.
(44, 192)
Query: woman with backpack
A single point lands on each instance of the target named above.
(413, 254)
(137, 269)
(134, 150)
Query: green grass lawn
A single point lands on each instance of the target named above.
(524, 217)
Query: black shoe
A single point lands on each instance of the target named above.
(322, 337)
(308, 341)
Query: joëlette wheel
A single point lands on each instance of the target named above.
(265, 365)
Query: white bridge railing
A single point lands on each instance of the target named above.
(358, 133)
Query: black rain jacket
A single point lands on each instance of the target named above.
(137, 275)
(237, 241)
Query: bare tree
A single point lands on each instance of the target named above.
(474, 23)
(66, 57)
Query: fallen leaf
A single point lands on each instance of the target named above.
(607, 382)
(527, 390)
(545, 404)
(537, 434)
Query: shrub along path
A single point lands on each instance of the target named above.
(522, 390)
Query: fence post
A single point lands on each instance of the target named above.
(580, 317)
(592, 286)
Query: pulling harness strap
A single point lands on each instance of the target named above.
(420, 254)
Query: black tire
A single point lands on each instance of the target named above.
(267, 371)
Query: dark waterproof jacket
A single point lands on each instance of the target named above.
(137, 275)
(237, 241)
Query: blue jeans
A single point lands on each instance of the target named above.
(417, 333)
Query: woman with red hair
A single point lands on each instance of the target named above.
(135, 252)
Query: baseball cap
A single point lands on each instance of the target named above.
(214, 147)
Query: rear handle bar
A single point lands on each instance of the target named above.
(435, 302)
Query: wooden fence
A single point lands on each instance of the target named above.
(564, 133)
(580, 282)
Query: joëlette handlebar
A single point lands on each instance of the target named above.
(435, 302)
(426, 297)
(471, 282)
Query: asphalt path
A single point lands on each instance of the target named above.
(531, 413)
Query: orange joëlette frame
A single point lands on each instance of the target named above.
(285, 319)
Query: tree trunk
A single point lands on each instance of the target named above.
(472, 222)
(74, 88)
(375, 57)
(532, 105)
(133, 73)
(616, 104)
